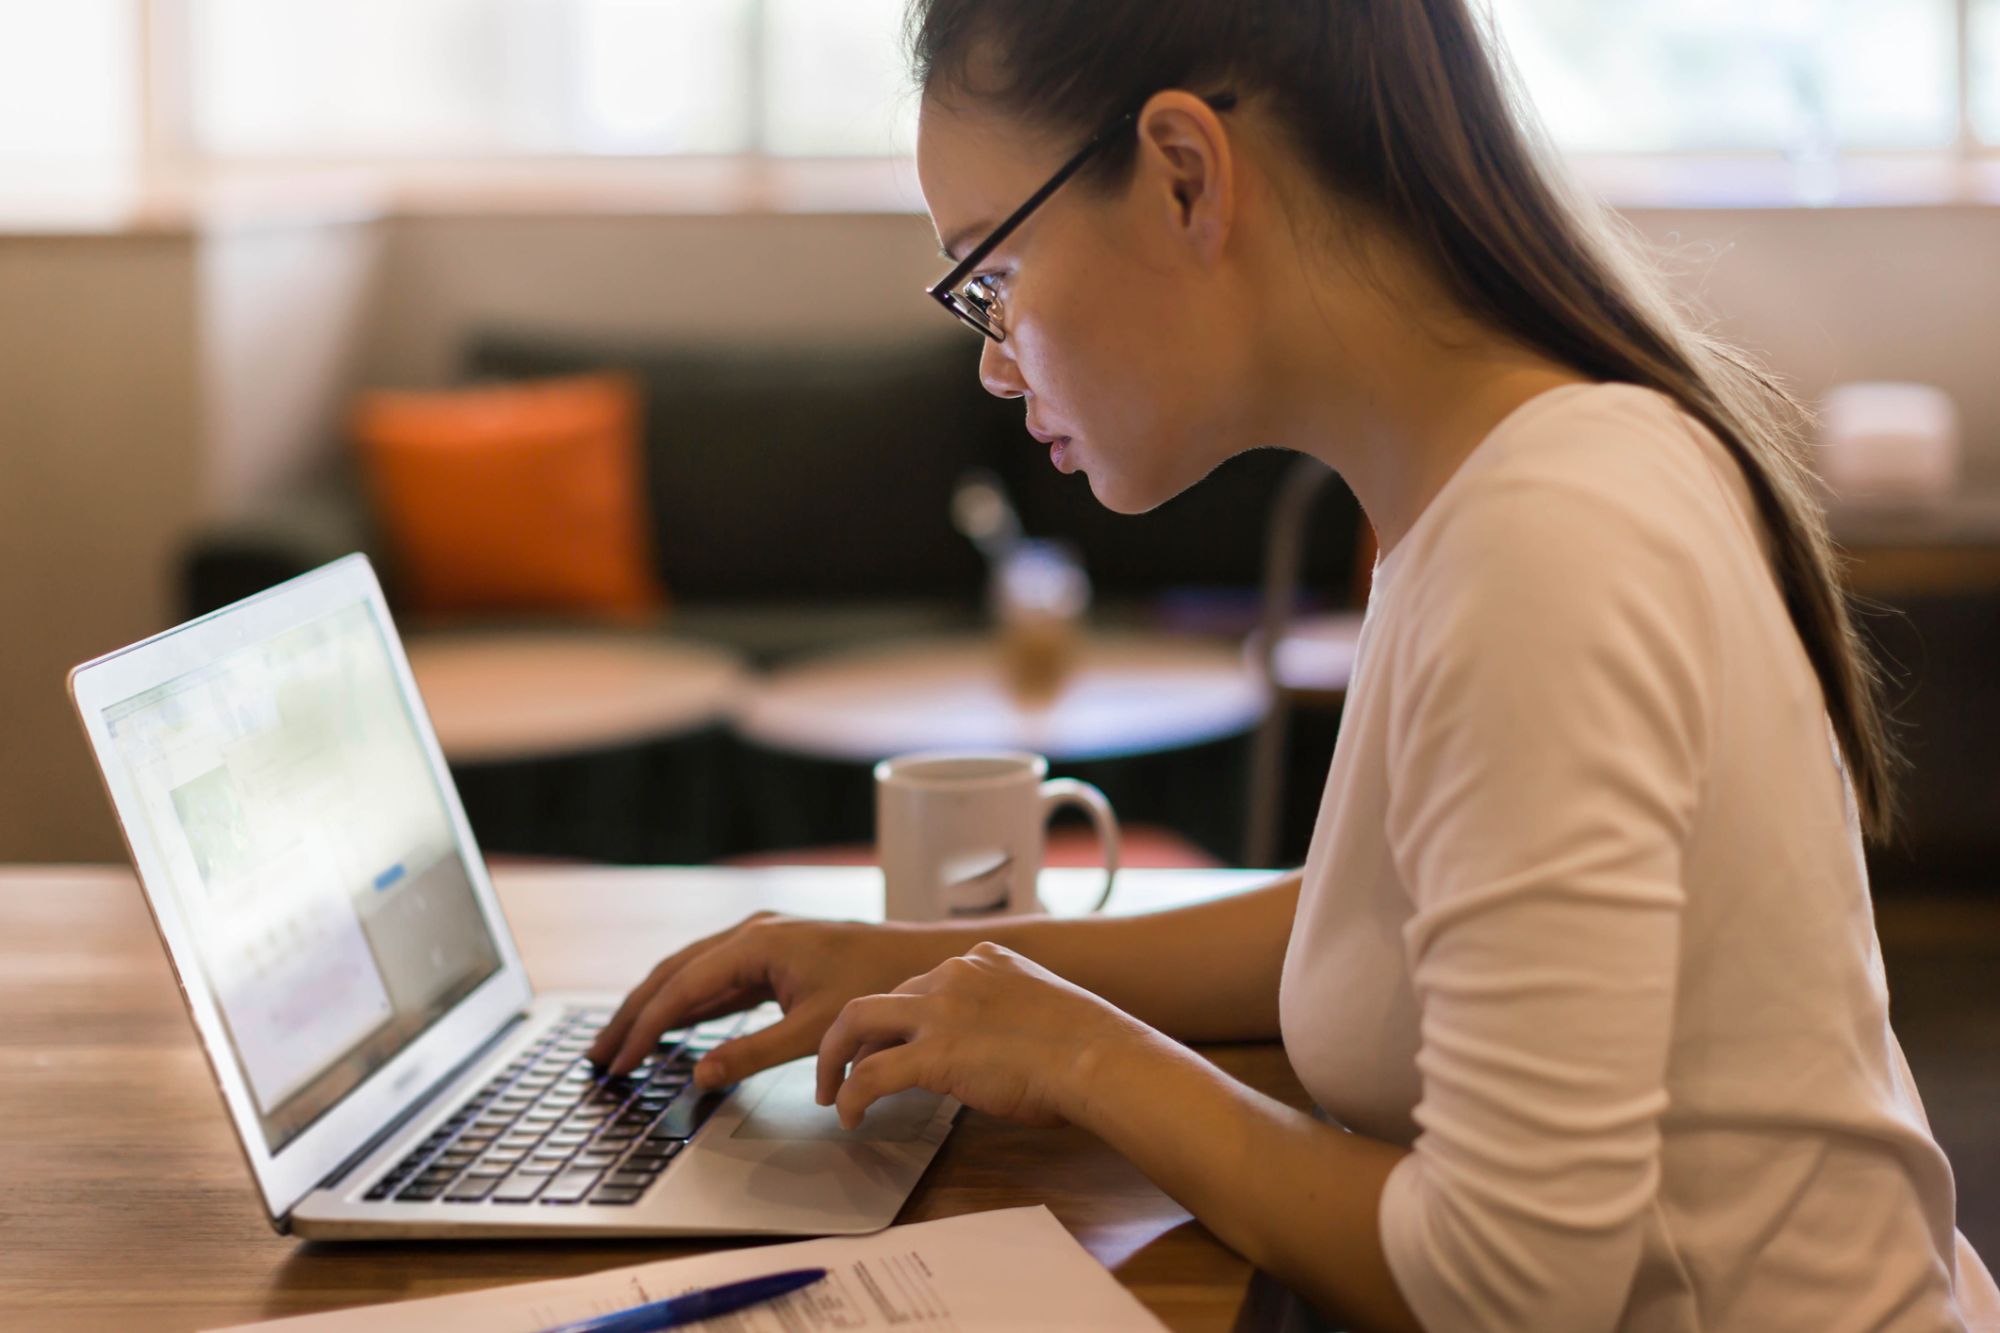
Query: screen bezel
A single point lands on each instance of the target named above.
(310, 1156)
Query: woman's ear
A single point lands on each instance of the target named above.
(1186, 158)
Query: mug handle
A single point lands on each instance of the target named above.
(1058, 792)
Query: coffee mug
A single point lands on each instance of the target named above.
(961, 834)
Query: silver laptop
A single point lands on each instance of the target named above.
(363, 1008)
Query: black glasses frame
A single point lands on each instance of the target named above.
(945, 290)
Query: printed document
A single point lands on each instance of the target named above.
(1009, 1269)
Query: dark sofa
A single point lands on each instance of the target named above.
(800, 498)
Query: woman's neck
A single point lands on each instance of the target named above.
(1381, 376)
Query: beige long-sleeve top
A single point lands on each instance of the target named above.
(1586, 924)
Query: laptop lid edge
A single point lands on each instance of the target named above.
(397, 1088)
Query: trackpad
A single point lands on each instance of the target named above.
(787, 1111)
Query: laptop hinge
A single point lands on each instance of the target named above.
(419, 1103)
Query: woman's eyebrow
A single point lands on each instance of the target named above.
(960, 237)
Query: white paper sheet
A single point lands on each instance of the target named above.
(1009, 1269)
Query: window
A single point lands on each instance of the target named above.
(1798, 76)
(69, 93)
(835, 78)
(426, 81)
(1983, 69)
(388, 78)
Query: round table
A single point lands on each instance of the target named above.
(601, 745)
(1159, 722)
(504, 696)
(1129, 694)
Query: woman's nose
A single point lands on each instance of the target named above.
(998, 372)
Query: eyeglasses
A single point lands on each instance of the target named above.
(974, 299)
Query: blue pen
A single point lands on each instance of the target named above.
(695, 1306)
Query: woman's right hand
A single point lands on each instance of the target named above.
(811, 968)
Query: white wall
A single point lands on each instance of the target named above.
(1857, 293)
(147, 382)
(280, 338)
(781, 278)
(99, 483)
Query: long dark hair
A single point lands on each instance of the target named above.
(1400, 107)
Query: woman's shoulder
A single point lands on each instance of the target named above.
(1596, 521)
(1581, 475)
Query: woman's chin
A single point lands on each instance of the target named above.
(1118, 493)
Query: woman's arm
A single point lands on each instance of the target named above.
(1296, 1196)
(1005, 1035)
(1206, 972)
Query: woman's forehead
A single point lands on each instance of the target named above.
(974, 168)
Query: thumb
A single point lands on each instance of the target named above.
(796, 1034)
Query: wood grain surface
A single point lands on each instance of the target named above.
(125, 1203)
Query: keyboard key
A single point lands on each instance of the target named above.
(616, 1194)
(471, 1189)
(419, 1193)
(570, 1187)
(518, 1189)
(686, 1115)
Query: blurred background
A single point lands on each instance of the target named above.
(598, 324)
(281, 279)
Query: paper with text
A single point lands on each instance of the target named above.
(1009, 1269)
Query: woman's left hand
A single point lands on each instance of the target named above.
(991, 1028)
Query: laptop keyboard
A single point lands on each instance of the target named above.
(548, 1130)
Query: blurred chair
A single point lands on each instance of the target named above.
(1302, 660)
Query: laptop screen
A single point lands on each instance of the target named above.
(311, 855)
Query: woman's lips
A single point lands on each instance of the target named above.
(1058, 446)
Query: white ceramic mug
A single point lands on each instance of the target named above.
(961, 834)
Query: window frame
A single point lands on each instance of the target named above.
(1967, 171)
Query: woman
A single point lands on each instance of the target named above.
(1582, 954)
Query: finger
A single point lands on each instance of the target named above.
(792, 1036)
(870, 1049)
(870, 1020)
(612, 1035)
(886, 1072)
(734, 1001)
(736, 963)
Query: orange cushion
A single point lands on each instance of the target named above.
(513, 497)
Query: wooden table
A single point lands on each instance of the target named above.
(127, 1205)
(1129, 694)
